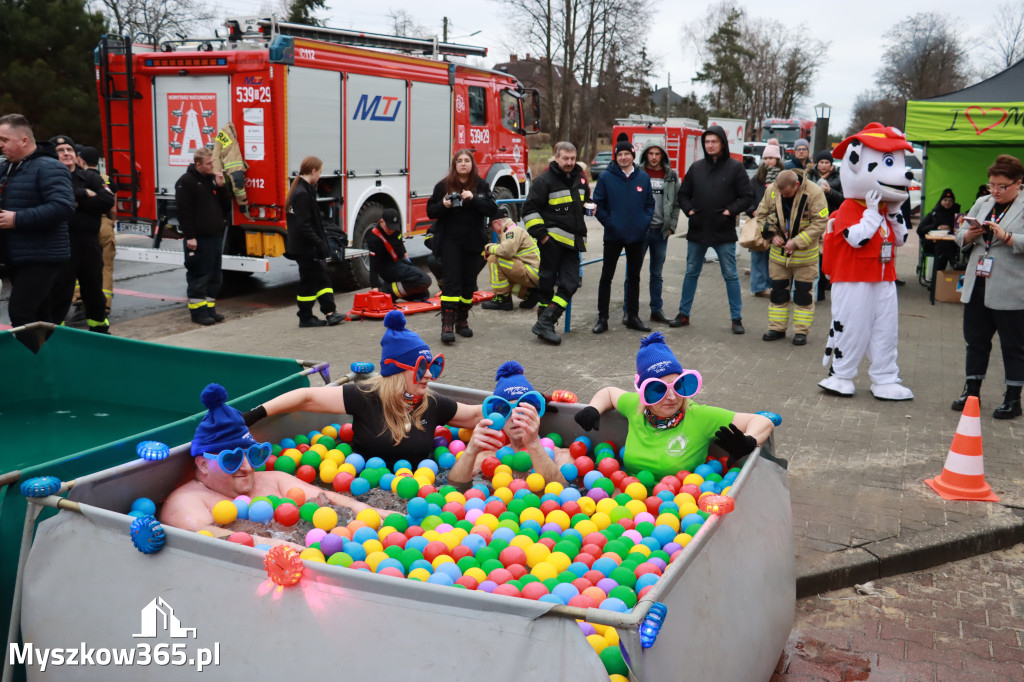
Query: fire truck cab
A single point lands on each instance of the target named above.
(384, 122)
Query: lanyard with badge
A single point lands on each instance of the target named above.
(986, 261)
(885, 254)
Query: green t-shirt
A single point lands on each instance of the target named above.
(665, 452)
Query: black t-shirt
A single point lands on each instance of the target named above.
(371, 437)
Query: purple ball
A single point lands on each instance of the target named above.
(487, 586)
(596, 494)
(671, 548)
(330, 544)
(587, 628)
(440, 442)
(605, 584)
(550, 526)
(659, 562)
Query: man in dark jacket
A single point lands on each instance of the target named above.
(203, 202)
(554, 217)
(714, 191)
(625, 206)
(36, 201)
(93, 200)
(390, 263)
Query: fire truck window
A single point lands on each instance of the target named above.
(510, 111)
(477, 106)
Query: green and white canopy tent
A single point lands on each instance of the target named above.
(964, 131)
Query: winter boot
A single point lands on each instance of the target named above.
(545, 327)
(462, 320)
(971, 387)
(217, 317)
(447, 323)
(201, 316)
(531, 300)
(1011, 404)
(499, 302)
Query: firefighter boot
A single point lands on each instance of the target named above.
(201, 316)
(217, 317)
(531, 300)
(462, 321)
(545, 327)
(499, 302)
(447, 323)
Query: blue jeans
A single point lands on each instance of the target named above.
(695, 263)
(658, 246)
(759, 280)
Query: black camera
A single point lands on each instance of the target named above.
(456, 199)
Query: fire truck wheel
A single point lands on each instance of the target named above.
(369, 215)
(506, 193)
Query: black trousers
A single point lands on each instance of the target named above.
(32, 298)
(461, 262)
(980, 323)
(203, 275)
(558, 265)
(407, 281)
(314, 286)
(86, 266)
(634, 262)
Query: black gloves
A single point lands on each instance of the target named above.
(735, 442)
(254, 415)
(588, 418)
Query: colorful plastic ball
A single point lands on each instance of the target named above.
(146, 506)
(408, 488)
(325, 518)
(359, 486)
(497, 421)
(614, 664)
(261, 511)
(287, 514)
(241, 539)
(331, 544)
(224, 512)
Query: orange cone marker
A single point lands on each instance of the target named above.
(963, 476)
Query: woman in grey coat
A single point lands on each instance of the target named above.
(993, 235)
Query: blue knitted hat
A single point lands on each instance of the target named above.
(511, 381)
(222, 428)
(655, 359)
(398, 343)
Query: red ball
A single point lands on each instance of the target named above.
(488, 466)
(608, 465)
(475, 493)
(342, 481)
(549, 506)
(578, 449)
(582, 601)
(681, 475)
(595, 538)
(643, 593)
(547, 542)
(413, 532)
(434, 549)
(242, 539)
(517, 571)
(663, 487)
(270, 462)
(653, 504)
(585, 558)
(426, 490)
(507, 590)
(500, 576)
(584, 465)
(646, 568)
(629, 480)
(459, 551)
(395, 539)
(571, 508)
(534, 591)
(345, 433)
(512, 555)
(302, 447)
(495, 508)
(582, 583)
(455, 508)
(593, 577)
(468, 581)
(503, 437)
(391, 571)
(617, 477)
(287, 514)
(692, 489)
(592, 550)
(628, 524)
(356, 565)
(444, 432)
(306, 473)
(517, 484)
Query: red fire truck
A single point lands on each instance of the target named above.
(786, 130)
(384, 122)
(679, 137)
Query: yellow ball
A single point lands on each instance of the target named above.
(554, 488)
(543, 571)
(521, 541)
(531, 514)
(431, 535)
(441, 559)
(325, 518)
(293, 453)
(318, 448)
(606, 505)
(373, 559)
(612, 635)
(373, 545)
(489, 520)
(688, 508)
(476, 574)
(404, 471)
(368, 516)
(503, 469)
(683, 539)
(641, 549)
(599, 629)
(336, 456)
(426, 472)
(328, 470)
(205, 532)
(501, 479)
(465, 435)
(726, 489)
(585, 527)
(535, 482)
(504, 494)
(693, 479)
(684, 498)
(618, 678)
(349, 469)
(419, 574)
(330, 432)
(536, 553)
(558, 516)
(635, 507)
(636, 490)
(384, 531)
(600, 519)
(670, 520)
(224, 512)
(587, 505)
(450, 540)
(598, 642)
(455, 496)
(560, 560)
(313, 554)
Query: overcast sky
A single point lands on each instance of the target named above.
(853, 30)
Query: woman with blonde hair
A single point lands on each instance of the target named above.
(393, 415)
(307, 246)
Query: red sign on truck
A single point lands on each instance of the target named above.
(192, 119)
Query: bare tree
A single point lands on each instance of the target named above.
(1005, 35)
(924, 55)
(403, 24)
(155, 19)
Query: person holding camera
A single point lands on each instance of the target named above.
(993, 233)
(461, 206)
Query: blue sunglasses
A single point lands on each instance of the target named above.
(493, 403)
(230, 461)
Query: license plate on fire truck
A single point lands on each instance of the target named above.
(134, 228)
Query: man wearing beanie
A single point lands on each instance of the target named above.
(190, 506)
(522, 427)
(625, 206)
(390, 263)
(801, 152)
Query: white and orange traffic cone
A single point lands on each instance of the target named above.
(963, 476)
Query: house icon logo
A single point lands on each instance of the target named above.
(158, 615)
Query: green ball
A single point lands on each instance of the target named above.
(624, 593)
(611, 656)
(692, 529)
(605, 484)
(603, 454)
(397, 521)
(315, 545)
(306, 511)
(464, 525)
(345, 449)
(521, 462)
(408, 488)
(567, 548)
(511, 525)
(485, 554)
(704, 514)
(618, 547)
(275, 449)
(563, 577)
(551, 583)
(530, 533)
(263, 498)
(619, 513)
(529, 579)
(490, 565)
(531, 500)
(577, 518)
(440, 450)
(466, 563)
(394, 551)
(446, 490)
(557, 438)
(622, 498)
(449, 517)
(340, 559)
(301, 439)
(623, 576)
(285, 464)
(409, 555)
(498, 544)
(276, 501)
(714, 477)
(647, 478)
(551, 535)
(508, 516)
(431, 522)
(312, 458)
(645, 529)
(517, 507)
(373, 476)
(327, 442)
(613, 531)
(661, 554)
(436, 498)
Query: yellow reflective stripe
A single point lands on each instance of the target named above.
(305, 299)
(558, 300)
(506, 262)
(531, 250)
(108, 292)
(467, 301)
(559, 201)
(532, 270)
(194, 305)
(560, 235)
(535, 221)
(328, 290)
(778, 314)
(394, 288)
(98, 323)
(450, 299)
(211, 302)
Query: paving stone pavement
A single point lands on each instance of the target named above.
(962, 621)
(856, 465)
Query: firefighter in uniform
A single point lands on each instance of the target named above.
(92, 201)
(513, 263)
(792, 215)
(554, 217)
(389, 262)
(307, 246)
(203, 204)
(88, 160)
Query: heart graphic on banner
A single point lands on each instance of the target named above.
(982, 113)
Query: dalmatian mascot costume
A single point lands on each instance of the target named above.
(859, 257)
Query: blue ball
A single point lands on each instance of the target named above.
(363, 534)
(651, 542)
(614, 604)
(578, 568)
(708, 487)
(450, 568)
(645, 580)
(402, 464)
(569, 494)
(385, 481)
(138, 514)
(591, 477)
(497, 421)
(421, 563)
(287, 443)
(439, 578)
(504, 450)
(521, 493)
(359, 486)
(263, 547)
(417, 507)
(531, 525)
(503, 533)
(546, 497)
(473, 541)
(663, 534)
(311, 435)
(474, 503)
(703, 470)
(375, 463)
(427, 464)
(356, 460)
(433, 509)
(716, 466)
(666, 495)
(144, 505)
(243, 509)
(605, 565)
(572, 533)
(551, 599)
(354, 550)
(261, 511)
(586, 441)
(417, 542)
(569, 472)
(691, 519)
(668, 507)
(390, 563)
(565, 591)
(482, 487)
(551, 453)
(446, 460)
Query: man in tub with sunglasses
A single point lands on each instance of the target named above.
(226, 458)
(668, 432)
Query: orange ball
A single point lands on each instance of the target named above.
(298, 495)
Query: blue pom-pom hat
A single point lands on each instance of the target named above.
(655, 358)
(400, 344)
(222, 428)
(511, 381)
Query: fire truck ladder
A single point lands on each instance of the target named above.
(117, 100)
(271, 27)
